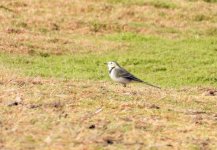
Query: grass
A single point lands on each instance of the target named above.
(170, 63)
(55, 92)
(58, 114)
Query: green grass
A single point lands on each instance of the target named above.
(155, 3)
(170, 63)
(210, 1)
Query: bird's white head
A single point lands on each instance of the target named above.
(112, 64)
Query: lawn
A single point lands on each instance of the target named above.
(55, 92)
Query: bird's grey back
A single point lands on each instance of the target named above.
(121, 72)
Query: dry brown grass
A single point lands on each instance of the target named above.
(58, 114)
(31, 44)
(43, 26)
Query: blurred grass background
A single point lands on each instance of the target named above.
(166, 42)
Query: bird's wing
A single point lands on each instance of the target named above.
(124, 73)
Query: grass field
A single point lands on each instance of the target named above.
(55, 92)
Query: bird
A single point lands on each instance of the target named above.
(120, 75)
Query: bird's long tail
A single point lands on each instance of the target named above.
(151, 85)
(139, 80)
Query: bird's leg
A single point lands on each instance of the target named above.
(125, 90)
